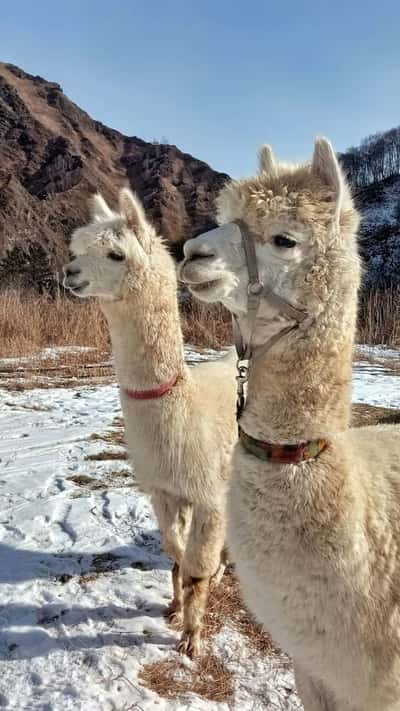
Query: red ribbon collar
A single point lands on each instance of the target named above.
(163, 389)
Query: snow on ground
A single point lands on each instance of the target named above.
(378, 352)
(375, 380)
(83, 579)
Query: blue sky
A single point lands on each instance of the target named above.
(218, 78)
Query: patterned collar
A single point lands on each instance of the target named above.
(282, 453)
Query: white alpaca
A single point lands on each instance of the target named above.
(180, 425)
(314, 510)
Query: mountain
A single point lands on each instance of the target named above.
(373, 169)
(53, 156)
(379, 234)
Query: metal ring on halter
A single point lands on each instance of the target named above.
(255, 288)
(242, 372)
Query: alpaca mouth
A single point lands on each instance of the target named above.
(203, 286)
(200, 279)
(77, 288)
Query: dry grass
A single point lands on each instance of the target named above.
(118, 479)
(30, 322)
(123, 477)
(363, 415)
(101, 564)
(66, 370)
(89, 482)
(208, 677)
(106, 456)
(114, 436)
(379, 317)
(23, 384)
(207, 326)
(225, 606)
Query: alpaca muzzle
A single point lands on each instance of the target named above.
(73, 279)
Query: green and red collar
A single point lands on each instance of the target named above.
(282, 453)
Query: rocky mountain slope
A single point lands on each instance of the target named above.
(53, 155)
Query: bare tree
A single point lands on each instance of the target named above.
(376, 158)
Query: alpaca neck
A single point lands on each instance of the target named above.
(301, 389)
(147, 341)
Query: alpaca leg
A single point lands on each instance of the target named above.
(202, 560)
(175, 609)
(174, 517)
(313, 695)
(216, 579)
(196, 595)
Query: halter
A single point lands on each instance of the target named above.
(255, 292)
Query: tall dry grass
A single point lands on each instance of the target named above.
(30, 322)
(378, 321)
(205, 325)
(379, 317)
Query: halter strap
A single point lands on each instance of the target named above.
(256, 291)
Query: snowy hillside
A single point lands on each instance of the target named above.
(379, 205)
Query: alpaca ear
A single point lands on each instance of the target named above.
(99, 209)
(326, 167)
(266, 162)
(132, 211)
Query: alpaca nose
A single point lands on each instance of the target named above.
(196, 249)
(71, 269)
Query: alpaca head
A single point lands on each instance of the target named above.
(112, 254)
(303, 222)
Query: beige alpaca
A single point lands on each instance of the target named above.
(316, 543)
(181, 441)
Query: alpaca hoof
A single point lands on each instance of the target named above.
(189, 645)
(175, 618)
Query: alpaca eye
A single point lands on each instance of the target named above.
(116, 256)
(285, 242)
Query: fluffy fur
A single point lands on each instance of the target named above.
(181, 442)
(317, 545)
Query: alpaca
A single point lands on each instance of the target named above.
(180, 423)
(314, 506)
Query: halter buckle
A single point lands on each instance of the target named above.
(255, 288)
(242, 377)
(241, 380)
